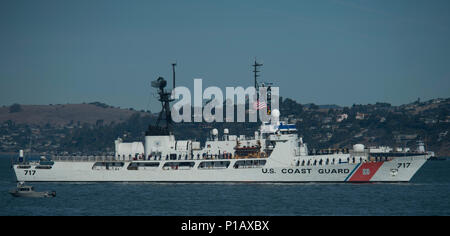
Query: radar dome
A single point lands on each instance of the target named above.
(358, 147)
(275, 113)
(214, 132)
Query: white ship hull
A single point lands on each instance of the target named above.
(399, 169)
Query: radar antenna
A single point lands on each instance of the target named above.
(165, 113)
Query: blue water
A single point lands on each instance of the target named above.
(427, 194)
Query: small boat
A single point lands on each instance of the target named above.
(23, 190)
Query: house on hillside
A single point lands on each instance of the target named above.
(361, 116)
(342, 117)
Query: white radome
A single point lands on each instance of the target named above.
(215, 132)
(275, 113)
(358, 147)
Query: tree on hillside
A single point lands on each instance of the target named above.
(313, 106)
(15, 108)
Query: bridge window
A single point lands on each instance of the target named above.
(43, 167)
(143, 165)
(185, 165)
(108, 165)
(214, 165)
(249, 164)
(23, 167)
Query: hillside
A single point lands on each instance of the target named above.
(92, 128)
(66, 114)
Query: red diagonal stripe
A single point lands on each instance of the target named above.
(365, 172)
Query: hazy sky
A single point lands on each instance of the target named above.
(322, 51)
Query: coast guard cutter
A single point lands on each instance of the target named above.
(275, 153)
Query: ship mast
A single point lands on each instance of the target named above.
(173, 74)
(165, 98)
(256, 65)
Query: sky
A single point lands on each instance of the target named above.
(340, 52)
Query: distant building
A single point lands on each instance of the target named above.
(430, 121)
(404, 137)
(342, 117)
(327, 120)
(360, 116)
(437, 100)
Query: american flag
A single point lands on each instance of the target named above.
(259, 105)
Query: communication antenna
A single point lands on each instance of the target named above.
(173, 73)
(256, 65)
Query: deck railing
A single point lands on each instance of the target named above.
(83, 158)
